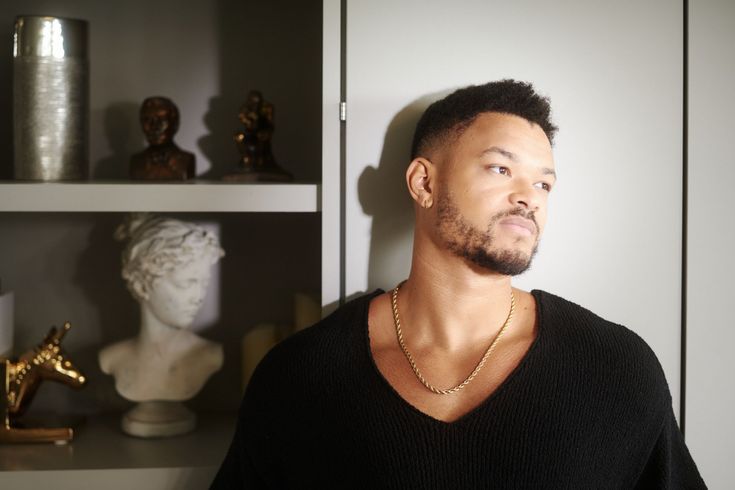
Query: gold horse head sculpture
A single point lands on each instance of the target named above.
(47, 361)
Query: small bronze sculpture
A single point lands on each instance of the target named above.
(254, 143)
(22, 379)
(162, 160)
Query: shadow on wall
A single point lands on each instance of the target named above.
(383, 196)
(272, 47)
(124, 137)
(211, 144)
(98, 277)
(74, 273)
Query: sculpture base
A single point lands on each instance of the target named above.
(16, 435)
(158, 419)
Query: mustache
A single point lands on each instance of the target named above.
(529, 215)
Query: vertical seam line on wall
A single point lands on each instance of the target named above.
(685, 207)
(342, 151)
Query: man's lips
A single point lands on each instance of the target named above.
(521, 225)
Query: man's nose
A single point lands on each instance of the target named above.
(524, 195)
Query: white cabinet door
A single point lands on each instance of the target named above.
(710, 390)
(613, 71)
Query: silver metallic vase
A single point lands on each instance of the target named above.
(50, 98)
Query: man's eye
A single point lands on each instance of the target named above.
(499, 169)
(543, 185)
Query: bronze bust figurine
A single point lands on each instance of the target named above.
(162, 160)
(254, 143)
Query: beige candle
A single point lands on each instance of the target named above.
(307, 311)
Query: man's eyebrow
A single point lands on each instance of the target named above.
(548, 171)
(507, 154)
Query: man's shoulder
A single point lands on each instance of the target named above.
(327, 344)
(619, 352)
(351, 317)
(568, 319)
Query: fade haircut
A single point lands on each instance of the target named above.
(450, 116)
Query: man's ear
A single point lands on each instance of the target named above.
(420, 181)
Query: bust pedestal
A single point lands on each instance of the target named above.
(158, 419)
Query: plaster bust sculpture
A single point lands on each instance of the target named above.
(162, 160)
(167, 265)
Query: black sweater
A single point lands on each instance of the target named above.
(588, 407)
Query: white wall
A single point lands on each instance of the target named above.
(613, 72)
(710, 427)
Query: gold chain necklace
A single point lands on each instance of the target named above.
(479, 366)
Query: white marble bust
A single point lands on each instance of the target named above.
(167, 265)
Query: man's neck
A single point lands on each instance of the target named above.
(447, 305)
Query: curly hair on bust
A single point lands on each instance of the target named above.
(157, 245)
(450, 116)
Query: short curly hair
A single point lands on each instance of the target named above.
(157, 245)
(454, 113)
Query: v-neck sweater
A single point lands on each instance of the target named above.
(588, 407)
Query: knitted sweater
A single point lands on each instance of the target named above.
(588, 407)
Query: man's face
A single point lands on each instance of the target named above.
(492, 188)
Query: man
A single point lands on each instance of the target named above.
(455, 379)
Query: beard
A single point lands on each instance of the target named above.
(476, 246)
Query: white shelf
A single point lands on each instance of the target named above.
(192, 196)
(101, 453)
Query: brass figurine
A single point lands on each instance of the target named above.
(254, 143)
(47, 361)
(162, 160)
